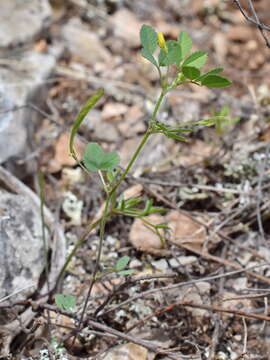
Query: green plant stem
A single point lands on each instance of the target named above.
(132, 160)
(160, 99)
(101, 240)
(82, 239)
(110, 196)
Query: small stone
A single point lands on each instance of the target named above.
(174, 263)
(160, 264)
(135, 263)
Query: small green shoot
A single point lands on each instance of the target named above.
(186, 66)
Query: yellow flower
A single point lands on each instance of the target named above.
(161, 41)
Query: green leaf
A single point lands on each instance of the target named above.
(95, 159)
(80, 117)
(65, 302)
(197, 59)
(211, 72)
(215, 81)
(122, 263)
(147, 55)
(148, 38)
(185, 42)
(109, 161)
(132, 202)
(162, 226)
(176, 137)
(126, 272)
(191, 72)
(174, 54)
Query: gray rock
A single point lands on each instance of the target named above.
(21, 245)
(21, 79)
(83, 43)
(21, 21)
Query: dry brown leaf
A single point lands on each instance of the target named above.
(62, 157)
(185, 231)
(144, 239)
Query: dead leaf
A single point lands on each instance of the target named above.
(62, 157)
(41, 46)
(144, 239)
(185, 231)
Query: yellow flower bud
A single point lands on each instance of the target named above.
(161, 40)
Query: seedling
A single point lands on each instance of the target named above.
(187, 66)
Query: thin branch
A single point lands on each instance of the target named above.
(185, 283)
(254, 19)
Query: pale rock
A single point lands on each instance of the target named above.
(22, 81)
(187, 260)
(83, 43)
(161, 264)
(21, 21)
(22, 252)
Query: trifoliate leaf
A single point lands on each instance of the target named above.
(191, 72)
(215, 81)
(185, 42)
(148, 38)
(95, 159)
(197, 59)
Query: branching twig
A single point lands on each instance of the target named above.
(254, 19)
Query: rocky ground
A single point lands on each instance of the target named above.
(205, 294)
